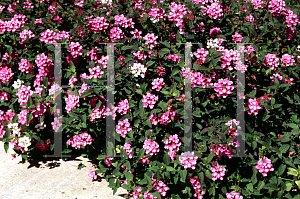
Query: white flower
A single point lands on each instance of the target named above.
(15, 128)
(17, 84)
(40, 126)
(24, 142)
(137, 85)
(138, 69)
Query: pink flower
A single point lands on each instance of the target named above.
(151, 148)
(233, 195)
(188, 160)
(217, 172)
(158, 83)
(264, 166)
(123, 128)
(92, 175)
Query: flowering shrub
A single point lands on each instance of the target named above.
(151, 74)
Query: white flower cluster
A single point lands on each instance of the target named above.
(298, 49)
(24, 142)
(138, 69)
(212, 43)
(17, 84)
(40, 126)
(15, 128)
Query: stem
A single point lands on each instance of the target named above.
(286, 179)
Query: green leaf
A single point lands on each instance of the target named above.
(156, 194)
(250, 187)
(298, 183)
(166, 158)
(150, 63)
(128, 176)
(288, 186)
(170, 168)
(67, 151)
(6, 146)
(292, 171)
(80, 166)
(183, 174)
(245, 39)
(141, 153)
(281, 169)
(260, 185)
(209, 158)
(252, 94)
(18, 151)
(127, 187)
(28, 117)
(271, 186)
(292, 125)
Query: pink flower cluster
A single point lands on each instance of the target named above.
(26, 66)
(123, 21)
(145, 160)
(14, 24)
(227, 57)
(214, 31)
(116, 33)
(158, 83)
(217, 172)
(201, 55)
(195, 182)
(287, 60)
(45, 65)
(139, 56)
(24, 34)
(96, 72)
(71, 102)
(23, 94)
(214, 11)
(23, 117)
(232, 131)
(137, 193)
(160, 70)
(177, 13)
(127, 149)
(160, 186)
(98, 24)
(233, 195)
(151, 148)
(123, 107)
(188, 160)
(271, 60)
(149, 100)
(264, 166)
(42, 147)
(92, 175)
(151, 39)
(182, 98)
(123, 127)
(48, 36)
(221, 150)
(174, 58)
(57, 123)
(80, 140)
(5, 74)
(4, 95)
(173, 145)
(279, 77)
(276, 6)
(98, 113)
(108, 160)
(76, 49)
(223, 87)
(257, 4)
(237, 38)
(136, 34)
(156, 14)
(254, 106)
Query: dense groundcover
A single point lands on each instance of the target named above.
(152, 43)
